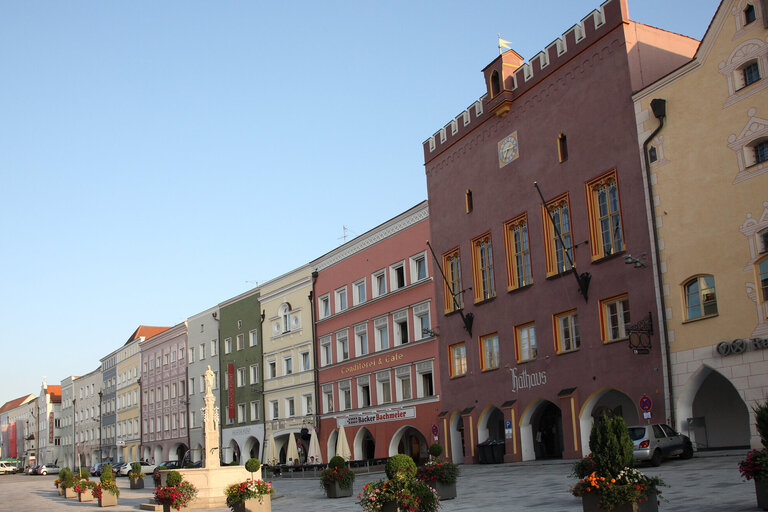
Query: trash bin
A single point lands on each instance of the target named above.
(497, 451)
(485, 452)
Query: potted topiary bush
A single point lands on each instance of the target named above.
(67, 482)
(755, 466)
(136, 476)
(403, 491)
(607, 479)
(176, 494)
(441, 475)
(106, 491)
(435, 450)
(337, 480)
(251, 495)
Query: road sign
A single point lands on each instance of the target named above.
(507, 424)
(646, 403)
(434, 430)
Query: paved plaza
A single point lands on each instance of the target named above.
(707, 483)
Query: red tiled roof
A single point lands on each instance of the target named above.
(147, 331)
(7, 406)
(55, 392)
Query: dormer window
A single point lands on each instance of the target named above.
(495, 84)
(749, 14)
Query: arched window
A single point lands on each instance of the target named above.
(700, 297)
(285, 316)
(495, 84)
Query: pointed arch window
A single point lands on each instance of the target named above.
(495, 84)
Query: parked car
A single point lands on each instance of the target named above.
(146, 468)
(168, 464)
(48, 469)
(116, 467)
(32, 470)
(7, 468)
(658, 441)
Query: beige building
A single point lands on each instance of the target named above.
(708, 156)
(86, 403)
(289, 369)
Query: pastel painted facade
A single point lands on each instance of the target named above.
(128, 414)
(87, 419)
(26, 418)
(288, 371)
(68, 421)
(377, 354)
(536, 200)
(49, 424)
(108, 407)
(12, 427)
(202, 351)
(242, 398)
(709, 182)
(164, 403)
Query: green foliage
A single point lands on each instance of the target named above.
(173, 478)
(400, 463)
(337, 462)
(63, 472)
(761, 419)
(343, 475)
(250, 489)
(438, 471)
(107, 475)
(135, 471)
(611, 446)
(408, 494)
(84, 472)
(435, 450)
(252, 465)
(68, 479)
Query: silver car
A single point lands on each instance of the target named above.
(46, 469)
(659, 441)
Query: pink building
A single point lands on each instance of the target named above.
(164, 401)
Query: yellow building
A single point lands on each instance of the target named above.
(708, 156)
(289, 369)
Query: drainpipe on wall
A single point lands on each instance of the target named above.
(659, 108)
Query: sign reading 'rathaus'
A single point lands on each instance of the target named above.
(376, 417)
(527, 380)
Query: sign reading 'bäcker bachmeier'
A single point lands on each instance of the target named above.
(376, 417)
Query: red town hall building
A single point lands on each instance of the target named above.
(535, 313)
(376, 347)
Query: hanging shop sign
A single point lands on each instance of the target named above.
(231, 390)
(50, 428)
(527, 380)
(739, 346)
(376, 417)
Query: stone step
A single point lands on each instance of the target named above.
(151, 506)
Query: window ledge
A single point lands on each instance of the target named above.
(601, 259)
(458, 376)
(483, 301)
(617, 340)
(519, 288)
(750, 85)
(527, 361)
(485, 370)
(705, 317)
(565, 352)
(454, 312)
(560, 274)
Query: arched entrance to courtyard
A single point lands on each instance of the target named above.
(541, 431)
(457, 437)
(410, 441)
(608, 401)
(364, 445)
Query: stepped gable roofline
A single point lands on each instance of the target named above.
(12, 404)
(516, 78)
(146, 332)
(381, 232)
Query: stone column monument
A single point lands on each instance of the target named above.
(210, 424)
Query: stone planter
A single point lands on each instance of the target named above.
(85, 496)
(761, 492)
(590, 502)
(336, 491)
(444, 491)
(167, 508)
(137, 483)
(390, 507)
(107, 499)
(254, 505)
(69, 492)
(61, 490)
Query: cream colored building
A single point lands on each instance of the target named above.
(289, 369)
(709, 187)
(127, 431)
(86, 391)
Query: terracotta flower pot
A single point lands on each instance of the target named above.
(336, 491)
(61, 491)
(69, 492)
(168, 508)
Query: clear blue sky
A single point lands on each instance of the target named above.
(158, 158)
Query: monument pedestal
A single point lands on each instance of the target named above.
(211, 483)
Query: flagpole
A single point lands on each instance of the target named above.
(499, 36)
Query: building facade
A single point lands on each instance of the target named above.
(536, 203)
(240, 348)
(86, 429)
(376, 347)
(68, 422)
(49, 425)
(708, 156)
(164, 403)
(12, 427)
(203, 351)
(288, 371)
(108, 409)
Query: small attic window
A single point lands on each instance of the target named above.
(495, 84)
(468, 200)
(562, 147)
(749, 14)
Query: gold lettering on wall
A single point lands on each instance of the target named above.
(373, 363)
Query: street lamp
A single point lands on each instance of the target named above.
(74, 431)
(100, 395)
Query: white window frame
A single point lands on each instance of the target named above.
(345, 395)
(290, 403)
(254, 410)
(393, 282)
(306, 361)
(272, 368)
(423, 368)
(340, 299)
(324, 306)
(288, 365)
(378, 324)
(420, 313)
(379, 283)
(413, 263)
(363, 382)
(254, 373)
(241, 377)
(383, 378)
(397, 318)
(326, 354)
(358, 287)
(362, 346)
(214, 346)
(274, 409)
(342, 338)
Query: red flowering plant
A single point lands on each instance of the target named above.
(176, 493)
(438, 470)
(755, 466)
(250, 489)
(337, 472)
(409, 493)
(84, 485)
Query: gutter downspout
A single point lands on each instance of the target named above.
(659, 108)
(316, 403)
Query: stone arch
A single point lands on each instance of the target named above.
(545, 417)
(158, 454)
(490, 425)
(196, 453)
(456, 436)
(147, 453)
(178, 452)
(231, 452)
(331, 445)
(605, 400)
(719, 416)
(364, 445)
(252, 448)
(410, 441)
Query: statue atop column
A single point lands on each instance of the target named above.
(210, 424)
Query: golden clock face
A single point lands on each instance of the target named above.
(508, 149)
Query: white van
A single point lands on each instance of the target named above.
(7, 468)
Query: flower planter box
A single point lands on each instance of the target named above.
(61, 491)
(168, 508)
(69, 492)
(761, 491)
(255, 505)
(107, 499)
(445, 491)
(390, 506)
(336, 491)
(137, 483)
(590, 503)
(85, 496)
